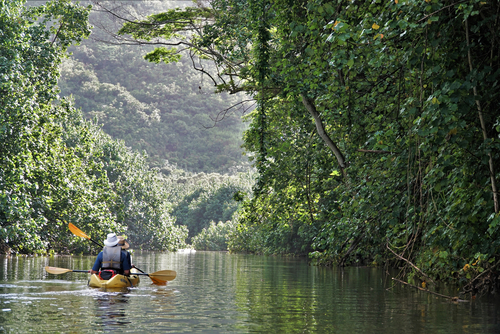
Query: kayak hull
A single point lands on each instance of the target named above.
(116, 282)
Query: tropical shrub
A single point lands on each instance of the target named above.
(38, 173)
(214, 237)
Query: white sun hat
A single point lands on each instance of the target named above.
(112, 240)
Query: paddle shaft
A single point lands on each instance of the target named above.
(98, 244)
(76, 231)
(153, 275)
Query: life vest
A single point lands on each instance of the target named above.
(111, 258)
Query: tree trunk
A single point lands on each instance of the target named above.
(322, 133)
(483, 125)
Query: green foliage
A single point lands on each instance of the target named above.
(162, 55)
(154, 25)
(295, 202)
(408, 103)
(32, 151)
(407, 93)
(214, 237)
(141, 197)
(209, 197)
(55, 167)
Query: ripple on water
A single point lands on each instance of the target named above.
(220, 293)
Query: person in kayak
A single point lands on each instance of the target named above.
(113, 257)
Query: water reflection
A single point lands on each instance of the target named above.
(223, 293)
(111, 309)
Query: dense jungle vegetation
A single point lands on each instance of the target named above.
(58, 166)
(376, 136)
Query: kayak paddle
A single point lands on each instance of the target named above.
(158, 277)
(58, 271)
(76, 231)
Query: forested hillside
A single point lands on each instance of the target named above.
(376, 136)
(59, 167)
(169, 111)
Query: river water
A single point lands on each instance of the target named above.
(216, 292)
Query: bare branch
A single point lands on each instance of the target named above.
(455, 299)
(441, 9)
(322, 133)
(411, 264)
(223, 113)
(57, 33)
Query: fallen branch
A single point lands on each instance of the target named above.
(455, 299)
(409, 262)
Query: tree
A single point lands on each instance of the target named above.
(32, 156)
(404, 97)
(55, 167)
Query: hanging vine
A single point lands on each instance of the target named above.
(259, 10)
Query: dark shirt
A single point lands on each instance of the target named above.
(125, 260)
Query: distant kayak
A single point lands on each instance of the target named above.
(117, 281)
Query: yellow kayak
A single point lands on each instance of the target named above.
(116, 282)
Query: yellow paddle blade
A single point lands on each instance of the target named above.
(162, 276)
(157, 281)
(57, 271)
(76, 231)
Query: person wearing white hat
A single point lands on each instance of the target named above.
(113, 257)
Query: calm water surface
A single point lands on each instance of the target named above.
(222, 293)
